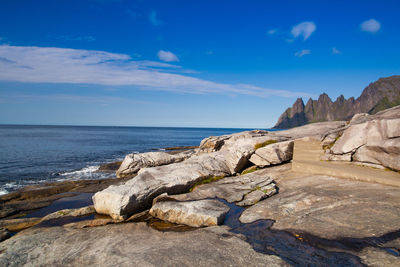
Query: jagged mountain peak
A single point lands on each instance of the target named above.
(377, 96)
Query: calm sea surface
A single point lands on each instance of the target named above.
(36, 154)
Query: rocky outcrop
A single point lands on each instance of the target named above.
(137, 194)
(134, 162)
(370, 139)
(243, 190)
(378, 96)
(273, 154)
(198, 213)
(131, 244)
(231, 157)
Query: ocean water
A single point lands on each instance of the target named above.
(36, 154)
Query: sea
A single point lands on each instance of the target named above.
(31, 154)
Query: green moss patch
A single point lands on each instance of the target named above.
(206, 181)
(263, 144)
(250, 170)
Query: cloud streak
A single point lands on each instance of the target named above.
(167, 56)
(153, 18)
(76, 66)
(302, 53)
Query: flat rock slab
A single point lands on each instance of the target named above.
(330, 207)
(130, 244)
(198, 213)
(134, 162)
(244, 190)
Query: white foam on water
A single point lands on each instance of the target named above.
(82, 172)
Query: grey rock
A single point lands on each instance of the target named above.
(137, 194)
(385, 153)
(311, 203)
(130, 244)
(234, 188)
(193, 213)
(134, 162)
(273, 154)
(360, 134)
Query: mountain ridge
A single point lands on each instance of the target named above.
(379, 95)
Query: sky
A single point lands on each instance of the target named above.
(236, 64)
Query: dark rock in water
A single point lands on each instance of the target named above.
(110, 167)
(4, 234)
(39, 196)
(380, 95)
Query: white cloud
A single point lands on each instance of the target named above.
(272, 31)
(75, 66)
(167, 56)
(304, 29)
(335, 51)
(302, 53)
(371, 26)
(154, 18)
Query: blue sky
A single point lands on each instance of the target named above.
(187, 63)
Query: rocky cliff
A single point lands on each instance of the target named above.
(377, 96)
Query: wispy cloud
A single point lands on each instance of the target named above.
(335, 51)
(302, 53)
(167, 56)
(371, 25)
(76, 66)
(303, 29)
(272, 31)
(87, 38)
(153, 18)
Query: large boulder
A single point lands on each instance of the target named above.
(207, 212)
(137, 194)
(273, 154)
(134, 162)
(385, 153)
(368, 132)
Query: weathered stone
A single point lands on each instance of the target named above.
(273, 154)
(137, 194)
(193, 213)
(385, 153)
(19, 223)
(257, 195)
(234, 188)
(212, 143)
(349, 208)
(69, 212)
(130, 244)
(134, 162)
(318, 129)
(4, 234)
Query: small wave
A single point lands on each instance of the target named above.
(82, 172)
(9, 187)
(89, 172)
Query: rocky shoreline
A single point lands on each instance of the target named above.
(239, 198)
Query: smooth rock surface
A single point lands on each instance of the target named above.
(130, 244)
(368, 132)
(330, 207)
(197, 213)
(385, 153)
(134, 162)
(273, 154)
